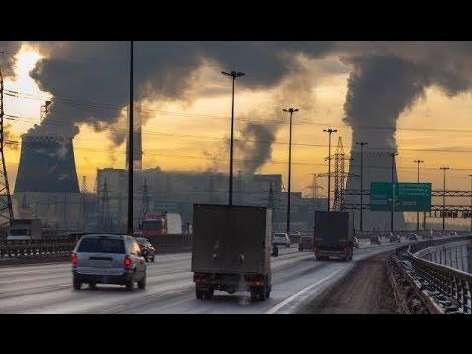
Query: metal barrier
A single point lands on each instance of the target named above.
(64, 246)
(451, 282)
(36, 248)
(441, 288)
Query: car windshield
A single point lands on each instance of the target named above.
(102, 245)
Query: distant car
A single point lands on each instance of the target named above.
(412, 237)
(375, 240)
(305, 243)
(281, 239)
(147, 249)
(108, 259)
(394, 238)
(355, 242)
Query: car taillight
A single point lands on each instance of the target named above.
(127, 262)
(74, 260)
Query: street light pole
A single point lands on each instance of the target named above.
(131, 144)
(393, 154)
(362, 144)
(470, 202)
(233, 75)
(418, 181)
(329, 131)
(444, 169)
(289, 110)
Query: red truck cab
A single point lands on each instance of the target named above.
(154, 225)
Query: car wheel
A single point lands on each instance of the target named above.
(142, 283)
(129, 285)
(198, 294)
(152, 259)
(77, 284)
(92, 286)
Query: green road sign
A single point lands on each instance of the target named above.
(407, 196)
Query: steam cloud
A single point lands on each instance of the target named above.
(385, 80)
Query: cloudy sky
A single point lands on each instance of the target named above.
(364, 90)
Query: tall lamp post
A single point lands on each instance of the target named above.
(233, 75)
(329, 131)
(470, 202)
(290, 110)
(362, 144)
(444, 169)
(393, 154)
(418, 162)
(131, 143)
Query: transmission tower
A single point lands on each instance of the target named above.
(6, 208)
(339, 176)
(84, 187)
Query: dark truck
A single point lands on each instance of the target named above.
(333, 236)
(231, 249)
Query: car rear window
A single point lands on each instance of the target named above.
(102, 245)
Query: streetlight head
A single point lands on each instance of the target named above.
(225, 73)
(238, 74)
(295, 109)
(285, 110)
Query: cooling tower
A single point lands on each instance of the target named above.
(377, 168)
(47, 165)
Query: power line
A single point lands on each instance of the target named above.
(222, 116)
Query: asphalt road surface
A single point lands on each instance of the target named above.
(47, 288)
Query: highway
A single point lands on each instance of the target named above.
(47, 288)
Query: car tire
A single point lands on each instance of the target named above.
(152, 259)
(142, 283)
(198, 294)
(129, 285)
(92, 285)
(76, 284)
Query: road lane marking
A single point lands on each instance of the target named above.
(301, 292)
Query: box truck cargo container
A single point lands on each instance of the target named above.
(333, 237)
(231, 250)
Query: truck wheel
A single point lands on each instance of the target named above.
(254, 294)
(209, 294)
(92, 285)
(199, 293)
(267, 291)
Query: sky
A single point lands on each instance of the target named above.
(186, 126)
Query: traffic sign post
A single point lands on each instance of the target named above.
(406, 196)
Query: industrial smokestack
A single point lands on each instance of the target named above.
(47, 165)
